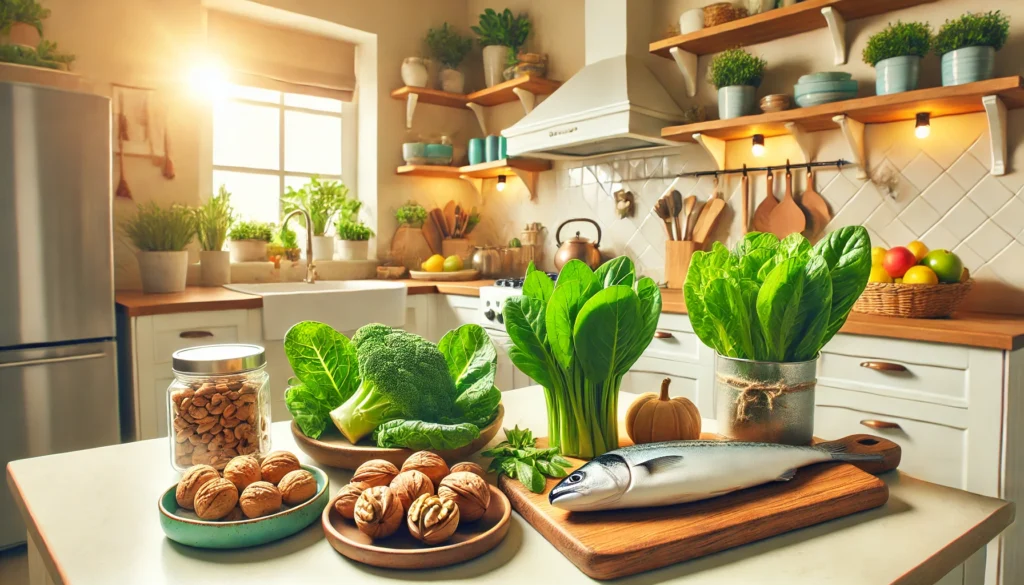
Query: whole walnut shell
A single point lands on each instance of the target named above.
(242, 471)
(432, 520)
(376, 472)
(470, 467)
(216, 499)
(297, 487)
(259, 499)
(234, 515)
(469, 492)
(378, 513)
(430, 464)
(409, 485)
(345, 501)
(277, 464)
(193, 479)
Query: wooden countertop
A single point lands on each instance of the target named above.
(192, 299)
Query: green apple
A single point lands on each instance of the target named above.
(946, 265)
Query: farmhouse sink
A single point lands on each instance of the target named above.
(345, 305)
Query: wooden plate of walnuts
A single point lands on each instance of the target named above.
(254, 501)
(417, 516)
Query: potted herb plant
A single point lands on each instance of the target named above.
(968, 46)
(767, 308)
(160, 235)
(249, 241)
(213, 220)
(896, 54)
(449, 48)
(353, 239)
(322, 200)
(501, 36)
(21, 21)
(736, 74)
(285, 244)
(409, 247)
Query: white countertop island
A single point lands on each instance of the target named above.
(92, 519)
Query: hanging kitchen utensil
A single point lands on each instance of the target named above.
(122, 133)
(688, 206)
(787, 217)
(449, 218)
(708, 216)
(661, 210)
(816, 208)
(168, 170)
(745, 203)
(764, 210)
(578, 247)
(677, 205)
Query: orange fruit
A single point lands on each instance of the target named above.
(918, 248)
(920, 275)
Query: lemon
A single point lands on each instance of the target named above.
(877, 255)
(878, 274)
(452, 264)
(918, 248)
(433, 264)
(920, 275)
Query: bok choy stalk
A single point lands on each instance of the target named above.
(577, 338)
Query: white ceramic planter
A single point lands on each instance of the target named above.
(323, 247)
(691, 21)
(353, 249)
(495, 61)
(248, 250)
(452, 80)
(214, 267)
(414, 72)
(163, 272)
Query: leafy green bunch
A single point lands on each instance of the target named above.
(214, 219)
(902, 39)
(736, 67)
(519, 458)
(45, 55)
(776, 301)
(158, 229)
(448, 46)
(411, 214)
(577, 337)
(356, 231)
(503, 29)
(990, 29)
(252, 230)
(286, 238)
(321, 200)
(24, 11)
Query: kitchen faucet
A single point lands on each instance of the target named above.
(311, 274)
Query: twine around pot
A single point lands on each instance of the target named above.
(751, 391)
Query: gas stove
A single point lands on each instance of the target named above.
(492, 300)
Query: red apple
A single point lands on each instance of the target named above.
(898, 261)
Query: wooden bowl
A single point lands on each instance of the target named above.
(333, 450)
(468, 274)
(402, 551)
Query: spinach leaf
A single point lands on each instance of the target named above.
(693, 294)
(724, 303)
(814, 311)
(419, 435)
(751, 264)
(606, 333)
(524, 323)
(778, 307)
(530, 476)
(847, 251)
(479, 404)
(616, 271)
(310, 412)
(756, 241)
(649, 295)
(324, 361)
(537, 285)
(472, 359)
(576, 284)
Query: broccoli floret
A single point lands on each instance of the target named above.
(403, 376)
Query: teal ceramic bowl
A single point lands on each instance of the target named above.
(802, 89)
(826, 97)
(826, 76)
(242, 533)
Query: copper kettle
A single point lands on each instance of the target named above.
(578, 247)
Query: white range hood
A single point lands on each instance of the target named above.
(614, 104)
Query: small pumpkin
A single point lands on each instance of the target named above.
(653, 418)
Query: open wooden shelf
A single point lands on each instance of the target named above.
(526, 169)
(436, 171)
(437, 97)
(492, 96)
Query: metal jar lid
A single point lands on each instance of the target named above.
(227, 358)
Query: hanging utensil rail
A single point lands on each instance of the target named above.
(786, 167)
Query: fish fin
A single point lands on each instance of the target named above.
(659, 464)
(787, 475)
(839, 453)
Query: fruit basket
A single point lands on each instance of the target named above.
(919, 301)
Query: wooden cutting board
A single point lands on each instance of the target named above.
(612, 544)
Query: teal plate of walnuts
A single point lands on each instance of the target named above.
(184, 526)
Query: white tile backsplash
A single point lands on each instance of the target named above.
(922, 171)
(967, 171)
(989, 195)
(988, 240)
(963, 219)
(943, 194)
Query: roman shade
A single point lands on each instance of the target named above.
(258, 54)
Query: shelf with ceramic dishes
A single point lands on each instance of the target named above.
(993, 97)
(771, 25)
(527, 169)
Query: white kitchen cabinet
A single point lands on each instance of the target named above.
(451, 312)
(420, 314)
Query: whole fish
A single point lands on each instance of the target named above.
(661, 474)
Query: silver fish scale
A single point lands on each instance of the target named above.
(685, 445)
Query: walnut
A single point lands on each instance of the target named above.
(469, 492)
(432, 520)
(376, 472)
(345, 501)
(470, 467)
(431, 464)
(190, 483)
(276, 464)
(234, 515)
(378, 513)
(216, 499)
(297, 487)
(242, 471)
(259, 499)
(410, 485)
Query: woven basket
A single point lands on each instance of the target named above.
(912, 300)
(719, 13)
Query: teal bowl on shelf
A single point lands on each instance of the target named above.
(191, 531)
(826, 76)
(439, 154)
(825, 97)
(813, 87)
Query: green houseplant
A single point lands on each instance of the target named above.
(501, 36)
(449, 48)
(353, 239)
(736, 74)
(767, 308)
(322, 200)
(411, 214)
(285, 243)
(213, 220)
(968, 46)
(22, 22)
(896, 54)
(45, 55)
(249, 241)
(160, 235)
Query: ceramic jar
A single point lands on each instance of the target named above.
(495, 61)
(691, 21)
(323, 247)
(414, 72)
(248, 250)
(163, 272)
(452, 80)
(897, 74)
(353, 249)
(968, 65)
(736, 101)
(214, 267)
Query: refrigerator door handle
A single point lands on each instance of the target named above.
(56, 360)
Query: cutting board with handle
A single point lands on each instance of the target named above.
(764, 210)
(616, 543)
(787, 217)
(816, 209)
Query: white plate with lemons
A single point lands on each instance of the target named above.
(458, 275)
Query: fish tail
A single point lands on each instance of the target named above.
(839, 453)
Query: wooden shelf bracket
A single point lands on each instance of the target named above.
(853, 131)
(527, 98)
(687, 63)
(995, 111)
(479, 111)
(837, 28)
(410, 109)
(803, 140)
(715, 147)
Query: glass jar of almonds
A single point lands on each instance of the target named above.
(218, 405)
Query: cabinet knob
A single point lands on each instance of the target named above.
(884, 366)
(663, 335)
(195, 334)
(880, 424)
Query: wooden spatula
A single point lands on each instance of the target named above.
(437, 217)
(816, 209)
(745, 204)
(677, 207)
(764, 210)
(432, 236)
(708, 218)
(449, 218)
(787, 217)
(661, 210)
(688, 205)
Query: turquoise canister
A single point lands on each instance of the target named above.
(491, 149)
(476, 151)
(968, 65)
(897, 74)
(502, 147)
(736, 101)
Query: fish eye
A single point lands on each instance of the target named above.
(575, 478)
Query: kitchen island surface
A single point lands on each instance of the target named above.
(92, 519)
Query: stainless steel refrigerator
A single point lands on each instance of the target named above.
(58, 373)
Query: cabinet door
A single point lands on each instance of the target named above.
(418, 313)
(454, 311)
(647, 373)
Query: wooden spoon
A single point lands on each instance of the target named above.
(816, 207)
(449, 218)
(787, 217)
(745, 203)
(764, 210)
(677, 205)
(673, 211)
(688, 205)
(661, 210)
